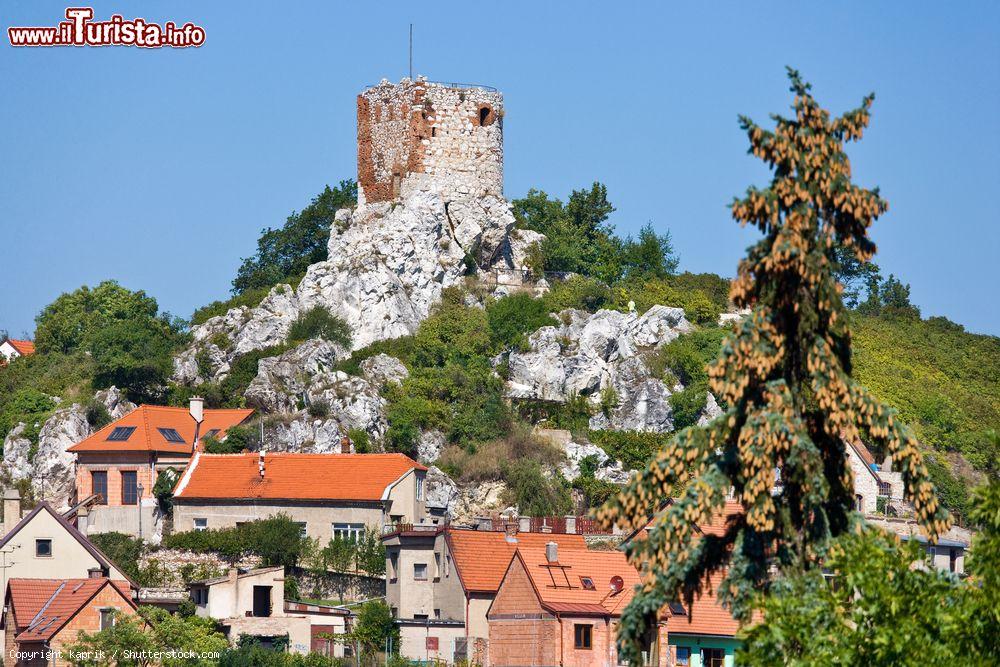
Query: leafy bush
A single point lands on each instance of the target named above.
(688, 356)
(97, 415)
(276, 540)
(577, 292)
(163, 489)
(244, 369)
(318, 322)
(687, 405)
(361, 440)
(533, 492)
(123, 550)
(27, 405)
(632, 448)
(134, 356)
(511, 317)
(258, 656)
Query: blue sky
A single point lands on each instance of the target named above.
(158, 168)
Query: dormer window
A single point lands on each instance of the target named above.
(120, 433)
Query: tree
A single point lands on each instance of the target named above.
(980, 617)
(135, 639)
(277, 540)
(301, 241)
(73, 318)
(651, 256)
(855, 275)
(513, 317)
(785, 372)
(134, 356)
(877, 610)
(374, 626)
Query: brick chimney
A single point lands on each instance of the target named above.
(11, 508)
(260, 464)
(552, 552)
(345, 445)
(510, 529)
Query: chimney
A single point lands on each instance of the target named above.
(552, 552)
(11, 507)
(510, 529)
(197, 410)
(345, 445)
(260, 464)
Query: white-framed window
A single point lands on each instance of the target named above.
(420, 487)
(683, 656)
(348, 531)
(420, 572)
(200, 524)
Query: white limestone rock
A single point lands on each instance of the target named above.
(53, 469)
(520, 244)
(441, 490)
(15, 453)
(590, 355)
(430, 445)
(381, 370)
(114, 400)
(710, 411)
(317, 405)
(608, 469)
(479, 499)
(387, 264)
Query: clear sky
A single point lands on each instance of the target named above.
(158, 168)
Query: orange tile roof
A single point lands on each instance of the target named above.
(288, 476)
(863, 452)
(146, 419)
(41, 607)
(560, 586)
(482, 557)
(23, 347)
(706, 616)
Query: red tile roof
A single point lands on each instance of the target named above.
(560, 586)
(706, 616)
(287, 476)
(863, 453)
(41, 607)
(147, 419)
(23, 347)
(482, 557)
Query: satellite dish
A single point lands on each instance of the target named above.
(617, 584)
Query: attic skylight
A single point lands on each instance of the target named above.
(120, 433)
(588, 583)
(677, 609)
(171, 435)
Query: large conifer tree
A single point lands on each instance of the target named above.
(785, 374)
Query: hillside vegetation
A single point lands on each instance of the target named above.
(943, 380)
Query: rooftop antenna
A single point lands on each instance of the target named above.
(411, 52)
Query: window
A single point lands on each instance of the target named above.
(588, 583)
(348, 531)
(952, 559)
(582, 636)
(420, 572)
(420, 617)
(171, 435)
(200, 525)
(99, 486)
(713, 657)
(683, 656)
(120, 433)
(437, 566)
(677, 609)
(211, 433)
(200, 596)
(437, 614)
(130, 489)
(859, 503)
(393, 566)
(420, 487)
(107, 618)
(302, 528)
(447, 566)
(43, 548)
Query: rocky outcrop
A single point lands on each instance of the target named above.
(315, 404)
(441, 491)
(388, 263)
(710, 411)
(601, 357)
(430, 445)
(381, 370)
(607, 469)
(481, 499)
(114, 400)
(17, 453)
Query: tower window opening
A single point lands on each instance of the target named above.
(486, 116)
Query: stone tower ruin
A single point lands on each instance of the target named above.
(421, 135)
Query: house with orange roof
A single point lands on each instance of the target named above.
(42, 616)
(117, 466)
(562, 607)
(11, 349)
(329, 495)
(441, 581)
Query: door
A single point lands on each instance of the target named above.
(261, 600)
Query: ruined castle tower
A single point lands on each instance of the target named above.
(421, 135)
